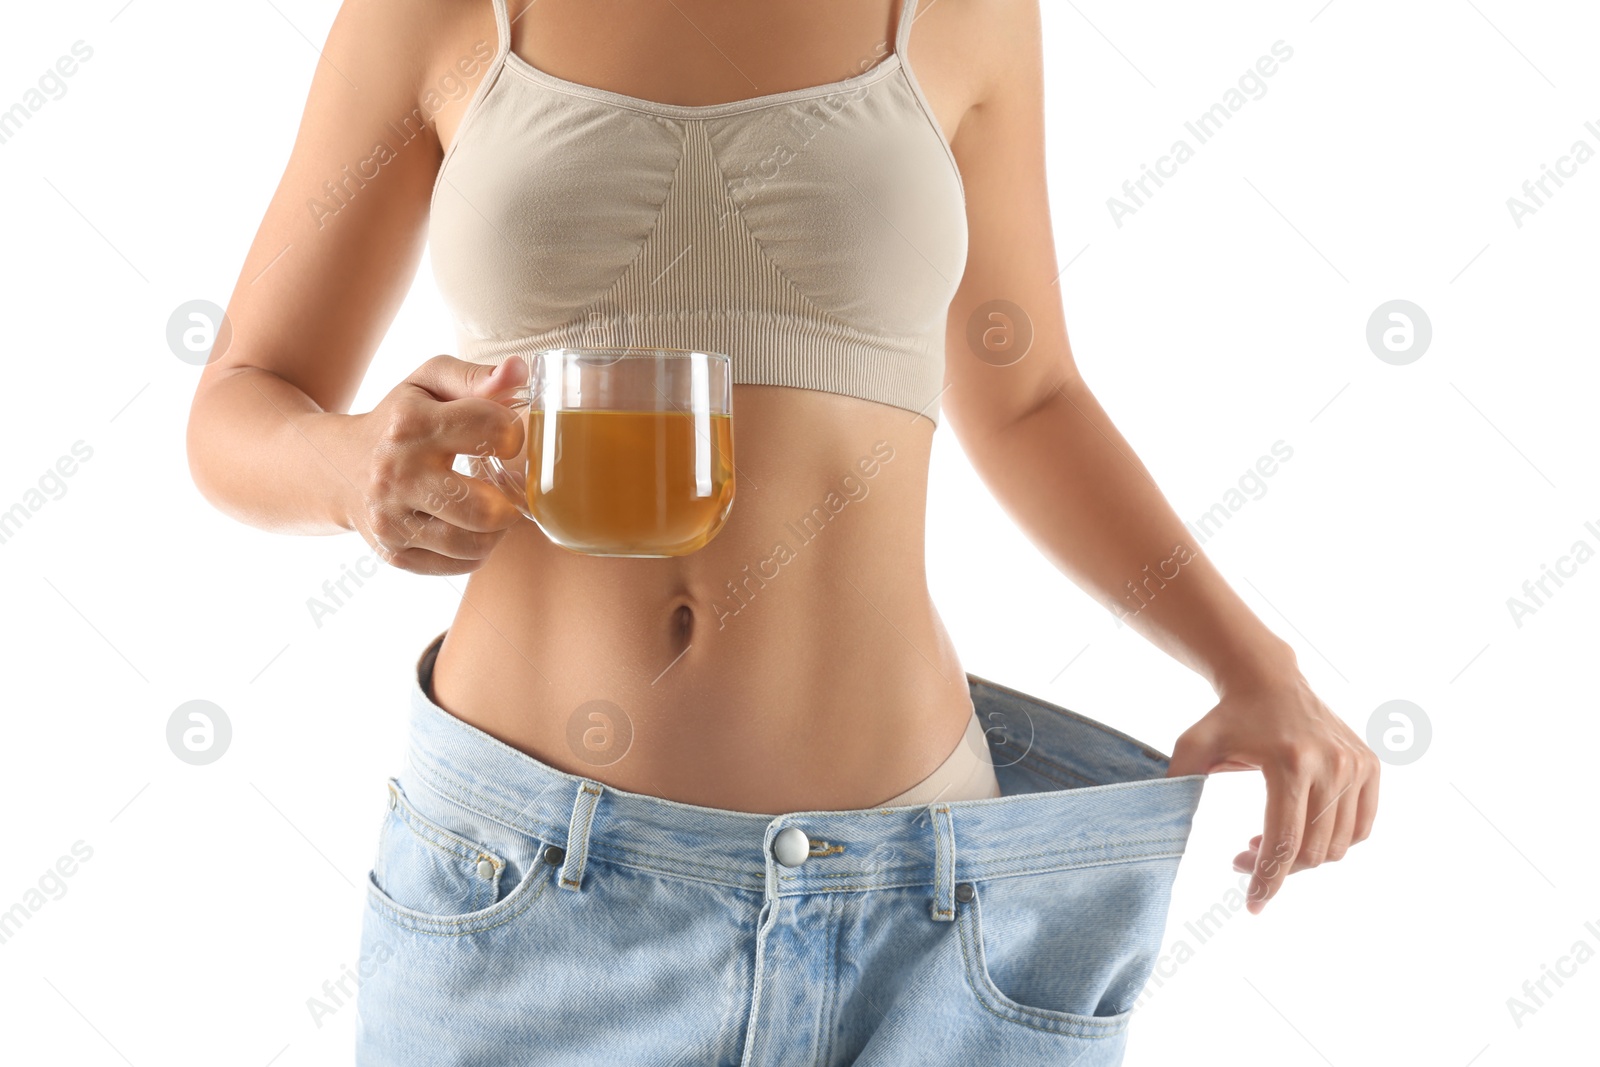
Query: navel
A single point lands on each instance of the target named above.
(682, 624)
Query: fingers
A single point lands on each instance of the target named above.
(1288, 792)
(1315, 812)
(1344, 830)
(1367, 804)
(1191, 754)
(434, 534)
(1335, 777)
(473, 426)
(470, 503)
(440, 524)
(416, 510)
(422, 561)
(451, 404)
(477, 426)
(449, 378)
(396, 532)
(1351, 811)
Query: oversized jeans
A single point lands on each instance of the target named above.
(521, 915)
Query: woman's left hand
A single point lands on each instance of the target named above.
(1322, 779)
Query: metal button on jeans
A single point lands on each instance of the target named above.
(554, 854)
(791, 846)
(964, 891)
(485, 869)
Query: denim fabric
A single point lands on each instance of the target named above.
(520, 915)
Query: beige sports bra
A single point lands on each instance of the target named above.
(816, 236)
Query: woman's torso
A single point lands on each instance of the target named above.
(796, 661)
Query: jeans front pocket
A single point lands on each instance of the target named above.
(1067, 951)
(441, 868)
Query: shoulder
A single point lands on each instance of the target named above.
(424, 42)
(418, 60)
(994, 47)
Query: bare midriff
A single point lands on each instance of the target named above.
(796, 662)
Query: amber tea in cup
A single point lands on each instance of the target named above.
(628, 451)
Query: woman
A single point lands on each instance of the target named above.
(697, 809)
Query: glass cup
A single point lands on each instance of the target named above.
(627, 451)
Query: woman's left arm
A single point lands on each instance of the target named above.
(1062, 471)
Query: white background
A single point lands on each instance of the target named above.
(1227, 314)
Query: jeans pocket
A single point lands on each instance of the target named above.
(1068, 951)
(447, 870)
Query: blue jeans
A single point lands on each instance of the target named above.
(517, 914)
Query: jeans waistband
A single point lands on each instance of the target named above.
(1076, 793)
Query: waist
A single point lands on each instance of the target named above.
(806, 697)
(1074, 792)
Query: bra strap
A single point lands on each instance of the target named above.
(502, 25)
(902, 31)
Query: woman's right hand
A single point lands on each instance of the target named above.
(406, 500)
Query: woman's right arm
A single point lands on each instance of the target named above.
(270, 439)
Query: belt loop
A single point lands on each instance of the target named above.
(943, 907)
(578, 833)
